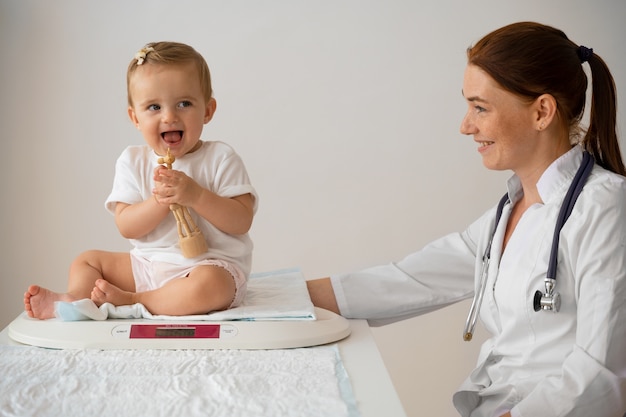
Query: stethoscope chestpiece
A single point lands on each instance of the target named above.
(548, 301)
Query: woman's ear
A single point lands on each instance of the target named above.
(545, 111)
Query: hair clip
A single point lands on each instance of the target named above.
(141, 55)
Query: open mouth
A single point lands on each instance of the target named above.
(173, 137)
(484, 145)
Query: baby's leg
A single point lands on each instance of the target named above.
(207, 288)
(93, 265)
(85, 270)
(105, 292)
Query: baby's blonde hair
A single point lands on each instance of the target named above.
(170, 53)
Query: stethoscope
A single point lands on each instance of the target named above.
(550, 300)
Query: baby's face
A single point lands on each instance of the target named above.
(168, 107)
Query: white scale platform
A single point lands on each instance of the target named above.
(156, 334)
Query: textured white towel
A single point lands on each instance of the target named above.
(308, 382)
(276, 295)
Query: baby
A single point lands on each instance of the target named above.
(170, 99)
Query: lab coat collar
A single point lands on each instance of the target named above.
(555, 178)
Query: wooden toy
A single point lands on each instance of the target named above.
(192, 242)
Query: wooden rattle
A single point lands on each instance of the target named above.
(192, 242)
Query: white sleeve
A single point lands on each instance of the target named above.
(440, 274)
(231, 179)
(129, 183)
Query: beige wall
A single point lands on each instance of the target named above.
(346, 113)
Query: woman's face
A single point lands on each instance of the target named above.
(503, 125)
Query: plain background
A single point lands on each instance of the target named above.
(345, 112)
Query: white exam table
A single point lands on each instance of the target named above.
(372, 387)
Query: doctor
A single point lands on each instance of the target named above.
(525, 88)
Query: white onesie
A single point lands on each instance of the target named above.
(214, 166)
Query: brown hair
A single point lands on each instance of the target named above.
(171, 53)
(530, 59)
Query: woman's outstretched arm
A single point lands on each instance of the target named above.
(322, 294)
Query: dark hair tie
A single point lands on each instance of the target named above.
(584, 53)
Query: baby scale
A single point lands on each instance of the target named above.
(157, 334)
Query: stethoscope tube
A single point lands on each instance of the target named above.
(566, 209)
(550, 300)
(472, 317)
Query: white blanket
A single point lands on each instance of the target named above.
(276, 295)
(304, 382)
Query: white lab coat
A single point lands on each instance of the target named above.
(571, 363)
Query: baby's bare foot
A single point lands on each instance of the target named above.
(105, 292)
(39, 302)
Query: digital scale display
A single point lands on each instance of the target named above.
(176, 331)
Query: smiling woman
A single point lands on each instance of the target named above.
(565, 364)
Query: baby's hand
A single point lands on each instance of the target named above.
(171, 186)
(158, 191)
(157, 173)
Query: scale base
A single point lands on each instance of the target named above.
(156, 334)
